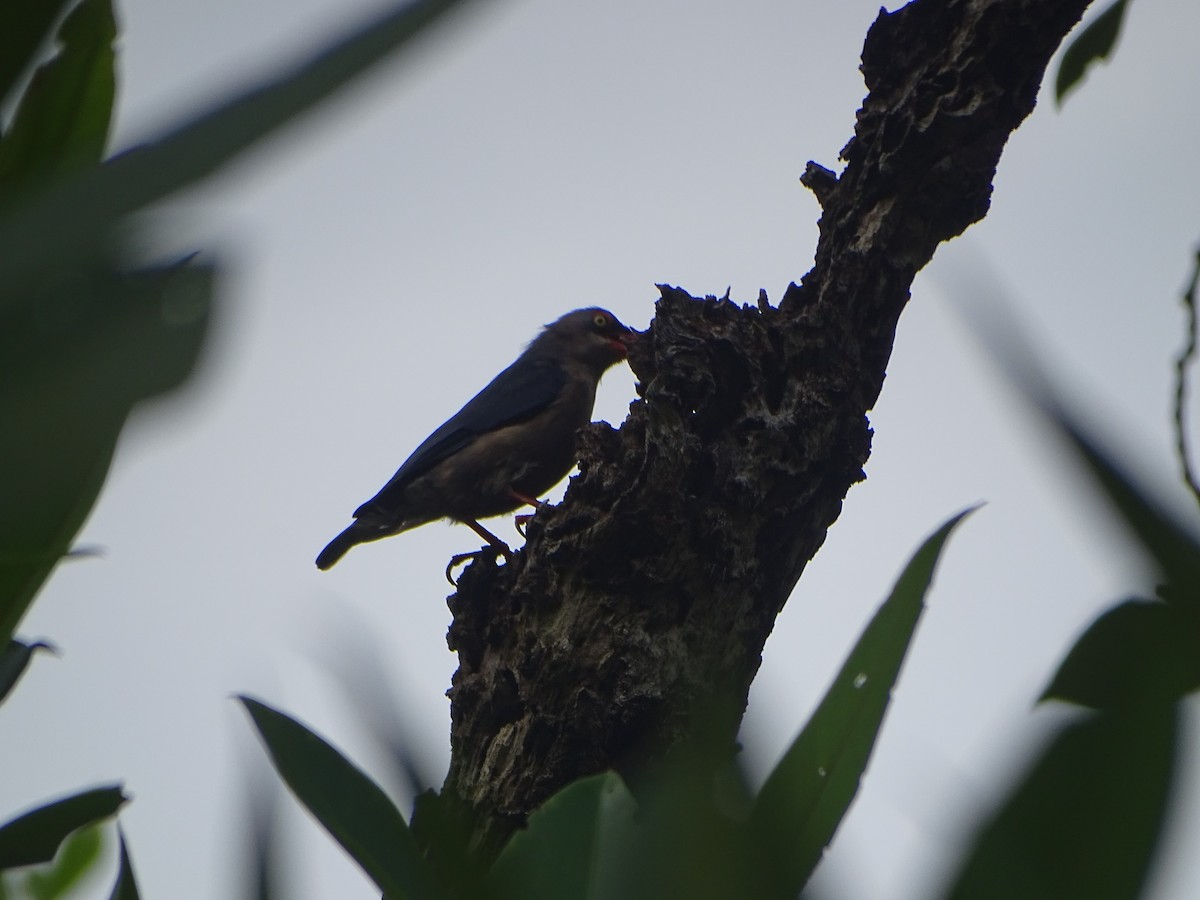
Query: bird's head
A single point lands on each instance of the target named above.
(592, 337)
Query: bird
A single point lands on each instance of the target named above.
(508, 445)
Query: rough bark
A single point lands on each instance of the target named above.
(652, 588)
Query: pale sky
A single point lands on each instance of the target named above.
(392, 253)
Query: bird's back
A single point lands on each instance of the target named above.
(517, 394)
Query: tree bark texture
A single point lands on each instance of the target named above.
(651, 589)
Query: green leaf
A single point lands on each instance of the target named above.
(1084, 821)
(62, 121)
(34, 837)
(14, 660)
(443, 827)
(1169, 543)
(57, 268)
(126, 885)
(689, 837)
(805, 797)
(95, 344)
(76, 858)
(1093, 44)
(1172, 546)
(25, 26)
(71, 223)
(1138, 652)
(261, 842)
(350, 806)
(560, 850)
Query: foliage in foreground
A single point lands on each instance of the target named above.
(88, 329)
(87, 332)
(684, 835)
(1084, 821)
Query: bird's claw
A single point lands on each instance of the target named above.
(459, 558)
(455, 561)
(521, 522)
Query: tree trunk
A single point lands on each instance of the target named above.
(652, 588)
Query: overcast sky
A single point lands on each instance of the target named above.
(392, 253)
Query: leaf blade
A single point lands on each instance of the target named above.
(24, 28)
(71, 222)
(1092, 45)
(34, 836)
(14, 660)
(74, 861)
(69, 377)
(125, 887)
(1085, 818)
(348, 804)
(1139, 651)
(806, 796)
(557, 853)
(62, 121)
(1168, 542)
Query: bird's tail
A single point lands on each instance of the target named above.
(360, 531)
(340, 545)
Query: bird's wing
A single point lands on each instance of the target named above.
(517, 394)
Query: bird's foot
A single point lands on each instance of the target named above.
(522, 520)
(459, 558)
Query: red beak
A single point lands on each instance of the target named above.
(622, 342)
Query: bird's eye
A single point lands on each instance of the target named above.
(600, 320)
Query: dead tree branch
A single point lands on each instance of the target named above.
(653, 586)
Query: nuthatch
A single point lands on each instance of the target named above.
(512, 442)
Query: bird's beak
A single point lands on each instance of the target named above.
(621, 342)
